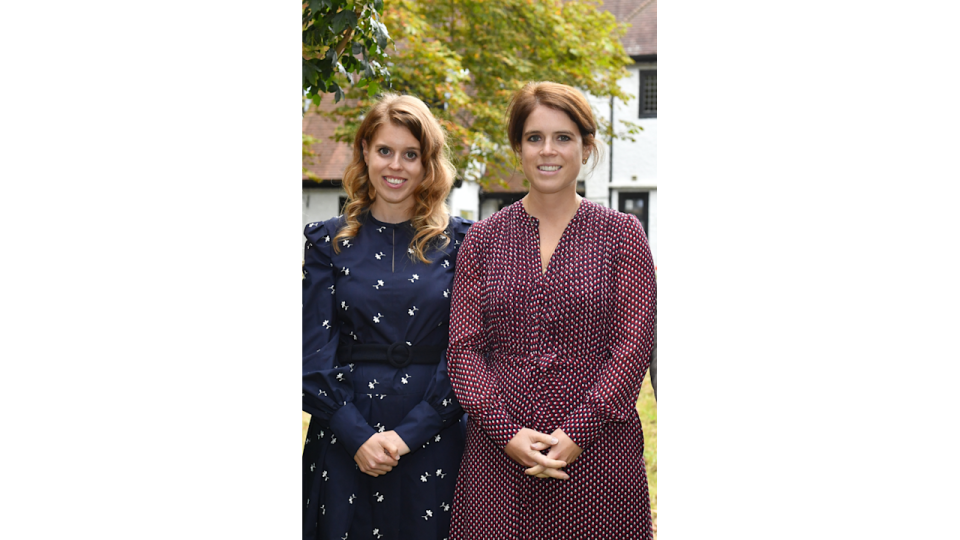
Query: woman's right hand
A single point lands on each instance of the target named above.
(520, 450)
(375, 457)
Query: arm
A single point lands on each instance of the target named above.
(653, 359)
(327, 389)
(438, 410)
(473, 382)
(613, 397)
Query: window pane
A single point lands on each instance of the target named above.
(649, 100)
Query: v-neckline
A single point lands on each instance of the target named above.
(535, 222)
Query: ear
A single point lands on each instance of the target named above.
(363, 144)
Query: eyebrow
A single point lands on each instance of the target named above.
(538, 132)
(381, 145)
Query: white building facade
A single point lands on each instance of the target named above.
(630, 183)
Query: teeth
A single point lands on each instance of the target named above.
(394, 181)
(549, 167)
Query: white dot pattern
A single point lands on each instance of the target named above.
(566, 349)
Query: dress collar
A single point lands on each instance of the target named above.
(368, 217)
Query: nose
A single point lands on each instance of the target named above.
(547, 148)
(395, 162)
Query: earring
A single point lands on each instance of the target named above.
(585, 160)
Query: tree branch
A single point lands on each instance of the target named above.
(346, 37)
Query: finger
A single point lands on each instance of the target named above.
(391, 449)
(548, 440)
(548, 462)
(541, 472)
(380, 468)
(379, 462)
(539, 446)
(556, 473)
(387, 459)
(536, 470)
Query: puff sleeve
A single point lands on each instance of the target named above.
(327, 388)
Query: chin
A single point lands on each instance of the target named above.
(552, 187)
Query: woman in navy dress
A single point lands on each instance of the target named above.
(384, 443)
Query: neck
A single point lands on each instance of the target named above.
(552, 206)
(389, 213)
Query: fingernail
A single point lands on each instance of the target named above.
(554, 441)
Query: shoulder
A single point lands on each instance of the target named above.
(321, 233)
(604, 215)
(611, 220)
(330, 226)
(499, 221)
(458, 227)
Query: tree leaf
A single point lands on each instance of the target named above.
(343, 20)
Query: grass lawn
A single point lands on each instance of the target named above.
(647, 409)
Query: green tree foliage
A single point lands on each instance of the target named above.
(344, 44)
(465, 58)
(308, 156)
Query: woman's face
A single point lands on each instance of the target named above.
(395, 170)
(551, 151)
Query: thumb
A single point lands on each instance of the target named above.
(548, 440)
(391, 449)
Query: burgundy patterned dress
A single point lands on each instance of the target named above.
(566, 349)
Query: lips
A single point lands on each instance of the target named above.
(394, 181)
(548, 168)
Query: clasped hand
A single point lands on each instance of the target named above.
(381, 453)
(526, 446)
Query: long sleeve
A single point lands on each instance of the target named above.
(613, 397)
(327, 389)
(438, 410)
(473, 382)
(440, 407)
(653, 359)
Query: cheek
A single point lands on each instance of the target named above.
(420, 171)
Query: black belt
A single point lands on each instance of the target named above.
(399, 355)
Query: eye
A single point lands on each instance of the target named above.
(383, 151)
(411, 154)
(533, 138)
(564, 138)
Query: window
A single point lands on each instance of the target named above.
(637, 204)
(648, 93)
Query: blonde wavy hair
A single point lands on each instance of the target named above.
(430, 212)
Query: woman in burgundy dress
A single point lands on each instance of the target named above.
(551, 329)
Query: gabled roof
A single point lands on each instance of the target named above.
(641, 37)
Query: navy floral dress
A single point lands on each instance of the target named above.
(375, 292)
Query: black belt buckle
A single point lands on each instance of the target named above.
(394, 361)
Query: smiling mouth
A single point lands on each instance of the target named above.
(549, 168)
(393, 181)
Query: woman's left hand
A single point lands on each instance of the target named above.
(565, 450)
